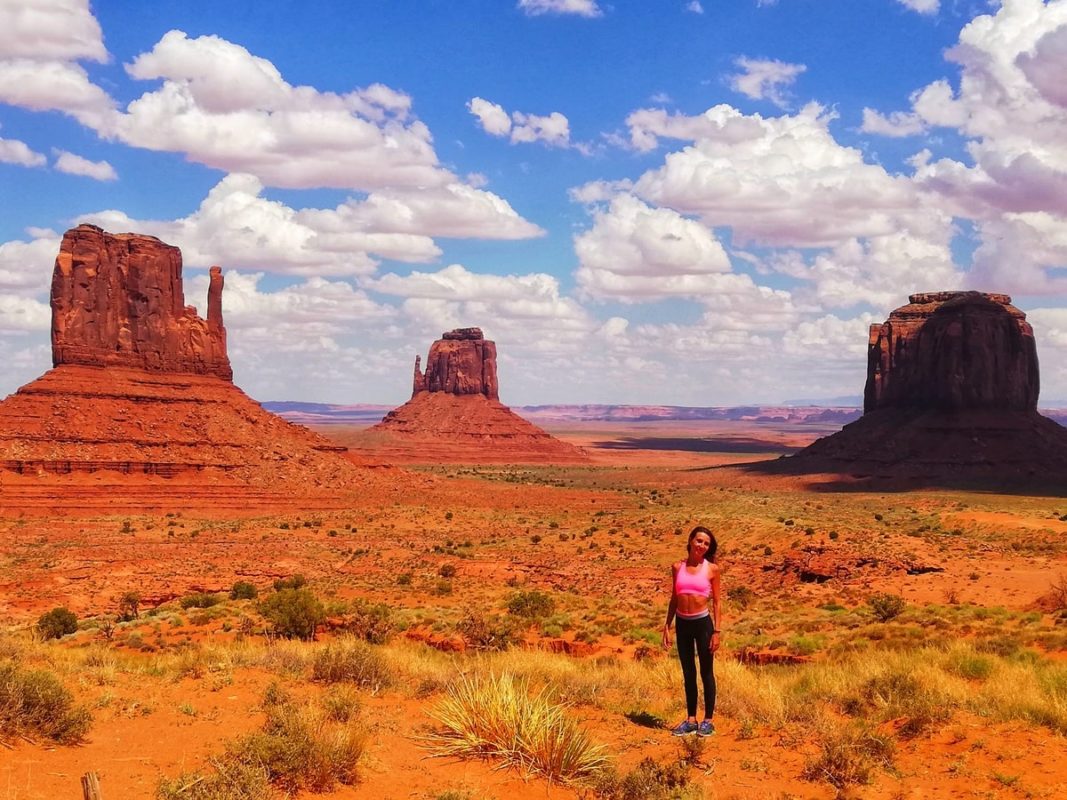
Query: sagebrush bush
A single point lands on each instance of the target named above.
(299, 748)
(649, 780)
(293, 613)
(200, 600)
(482, 632)
(57, 623)
(886, 606)
(350, 660)
(532, 604)
(243, 590)
(372, 622)
(229, 780)
(35, 703)
(297, 581)
(850, 756)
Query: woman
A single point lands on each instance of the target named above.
(695, 580)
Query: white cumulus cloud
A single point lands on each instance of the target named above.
(581, 8)
(897, 124)
(491, 116)
(765, 79)
(638, 253)
(922, 6)
(12, 151)
(61, 30)
(552, 130)
(76, 165)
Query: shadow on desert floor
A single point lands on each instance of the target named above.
(716, 445)
(894, 480)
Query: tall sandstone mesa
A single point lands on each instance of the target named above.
(951, 393)
(953, 351)
(462, 361)
(118, 300)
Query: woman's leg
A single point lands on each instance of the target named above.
(707, 669)
(686, 645)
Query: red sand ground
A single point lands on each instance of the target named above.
(73, 549)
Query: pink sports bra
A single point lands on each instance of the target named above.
(688, 583)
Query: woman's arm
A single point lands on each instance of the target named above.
(671, 608)
(716, 606)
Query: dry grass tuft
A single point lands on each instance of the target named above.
(498, 717)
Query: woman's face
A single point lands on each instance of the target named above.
(699, 545)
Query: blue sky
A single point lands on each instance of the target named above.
(671, 202)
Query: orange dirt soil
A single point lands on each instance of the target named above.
(83, 539)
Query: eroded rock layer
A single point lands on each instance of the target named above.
(454, 414)
(952, 388)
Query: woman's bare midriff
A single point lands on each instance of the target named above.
(690, 604)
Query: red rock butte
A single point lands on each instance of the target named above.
(140, 403)
(455, 415)
(952, 388)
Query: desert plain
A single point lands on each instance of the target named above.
(878, 643)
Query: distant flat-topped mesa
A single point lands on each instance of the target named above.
(953, 351)
(455, 415)
(117, 300)
(951, 394)
(462, 361)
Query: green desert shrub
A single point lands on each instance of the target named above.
(293, 613)
(532, 604)
(886, 606)
(57, 623)
(299, 748)
(200, 600)
(228, 780)
(483, 632)
(243, 590)
(372, 622)
(297, 581)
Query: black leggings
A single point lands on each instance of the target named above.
(695, 635)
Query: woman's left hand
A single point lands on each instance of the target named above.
(716, 640)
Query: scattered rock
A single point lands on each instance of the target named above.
(760, 658)
(439, 641)
(567, 647)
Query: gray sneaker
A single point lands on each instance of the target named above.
(684, 728)
(705, 728)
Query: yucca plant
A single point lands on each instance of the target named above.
(499, 717)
